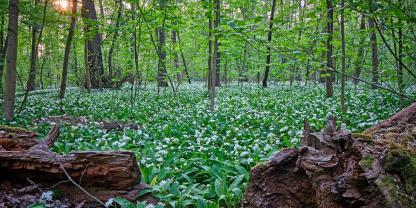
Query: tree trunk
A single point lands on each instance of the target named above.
(359, 60)
(114, 41)
(217, 43)
(374, 55)
(269, 40)
(94, 56)
(329, 59)
(209, 47)
(175, 56)
(183, 59)
(3, 50)
(10, 85)
(30, 86)
(68, 50)
(343, 64)
(161, 75)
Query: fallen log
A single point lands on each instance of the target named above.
(104, 174)
(106, 125)
(13, 138)
(334, 168)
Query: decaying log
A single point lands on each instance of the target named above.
(103, 174)
(13, 138)
(106, 125)
(334, 168)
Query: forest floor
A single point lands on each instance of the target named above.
(189, 154)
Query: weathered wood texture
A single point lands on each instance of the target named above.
(104, 174)
(334, 168)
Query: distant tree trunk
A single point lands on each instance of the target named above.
(161, 75)
(33, 57)
(269, 40)
(358, 61)
(343, 66)
(329, 59)
(162, 72)
(400, 65)
(209, 48)
(175, 56)
(217, 43)
(87, 71)
(114, 41)
(183, 59)
(36, 39)
(374, 55)
(3, 50)
(10, 85)
(94, 56)
(68, 50)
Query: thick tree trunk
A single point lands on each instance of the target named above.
(269, 40)
(329, 48)
(68, 50)
(10, 85)
(93, 46)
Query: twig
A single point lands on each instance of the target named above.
(70, 178)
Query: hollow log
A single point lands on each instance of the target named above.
(334, 168)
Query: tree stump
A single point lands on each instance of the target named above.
(334, 168)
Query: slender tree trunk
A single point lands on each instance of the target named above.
(209, 48)
(114, 41)
(269, 40)
(36, 39)
(400, 67)
(10, 85)
(374, 55)
(33, 57)
(175, 56)
(183, 59)
(162, 72)
(3, 50)
(68, 50)
(343, 65)
(329, 59)
(359, 60)
(217, 43)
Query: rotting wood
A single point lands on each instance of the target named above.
(334, 168)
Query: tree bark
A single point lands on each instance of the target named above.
(217, 43)
(209, 47)
(343, 64)
(374, 53)
(269, 40)
(175, 56)
(114, 41)
(68, 50)
(30, 86)
(358, 61)
(329, 48)
(93, 46)
(10, 85)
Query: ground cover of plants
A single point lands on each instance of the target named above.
(191, 156)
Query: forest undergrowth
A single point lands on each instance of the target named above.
(190, 155)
